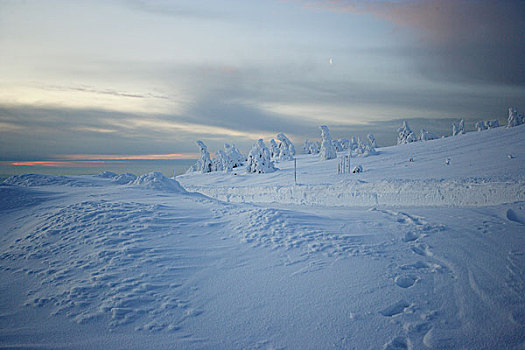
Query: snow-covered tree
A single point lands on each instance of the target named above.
(515, 118)
(372, 140)
(364, 149)
(235, 156)
(221, 162)
(458, 129)
(345, 143)
(259, 159)
(327, 149)
(481, 125)
(203, 165)
(353, 143)
(311, 147)
(491, 124)
(274, 149)
(405, 135)
(425, 135)
(337, 145)
(285, 147)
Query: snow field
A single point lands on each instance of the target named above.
(406, 255)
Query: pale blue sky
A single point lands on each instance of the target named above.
(151, 77)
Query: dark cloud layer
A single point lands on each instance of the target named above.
(464, 40)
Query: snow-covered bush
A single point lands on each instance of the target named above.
(237, 159)
(259, 159)
(203, 165)
(405, 135)
(425, 135)
(285, 147)
(357, 169)
(221, 162)
(327, 150)
(372, 140)
(515, 118)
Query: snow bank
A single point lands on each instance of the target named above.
(157, 181)
(385, 193)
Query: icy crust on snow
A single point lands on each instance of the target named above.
(385, 193)
(157, 181)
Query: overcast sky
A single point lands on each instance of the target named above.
(150, 77)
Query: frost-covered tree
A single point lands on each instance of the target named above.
(425, 135)
(515, 118)
(353, 143)
(274, 149)
(327, 150)
(311, 147)
(491, 124)
(337, 145)
(405, 135)
(372, 140)
(286, 147)
(203, 165)
(458, 129)
(481, 125)
(259, 159)
(345, 143)
(221, 162)
(235, 156)
(364, 149)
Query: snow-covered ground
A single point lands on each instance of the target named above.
(406, 255)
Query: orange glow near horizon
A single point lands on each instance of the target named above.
(127, 156)
(50, 163)
(86, 160)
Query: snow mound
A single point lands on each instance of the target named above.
(157, 181)
(124, 179)
(107, 175)
(30, 180)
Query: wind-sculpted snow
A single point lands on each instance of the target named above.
(30, 180)
(124, 179)
(118, 262)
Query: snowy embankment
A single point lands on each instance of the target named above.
(441, 174)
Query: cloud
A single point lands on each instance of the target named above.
(472, 41)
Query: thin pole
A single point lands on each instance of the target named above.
(295, 170)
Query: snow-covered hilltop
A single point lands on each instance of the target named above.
(423, 249)
(472, 169)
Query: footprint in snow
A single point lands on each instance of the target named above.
(395, 309)
(406, 281)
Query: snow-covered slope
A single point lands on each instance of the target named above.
(475, 169)
(87, 262)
